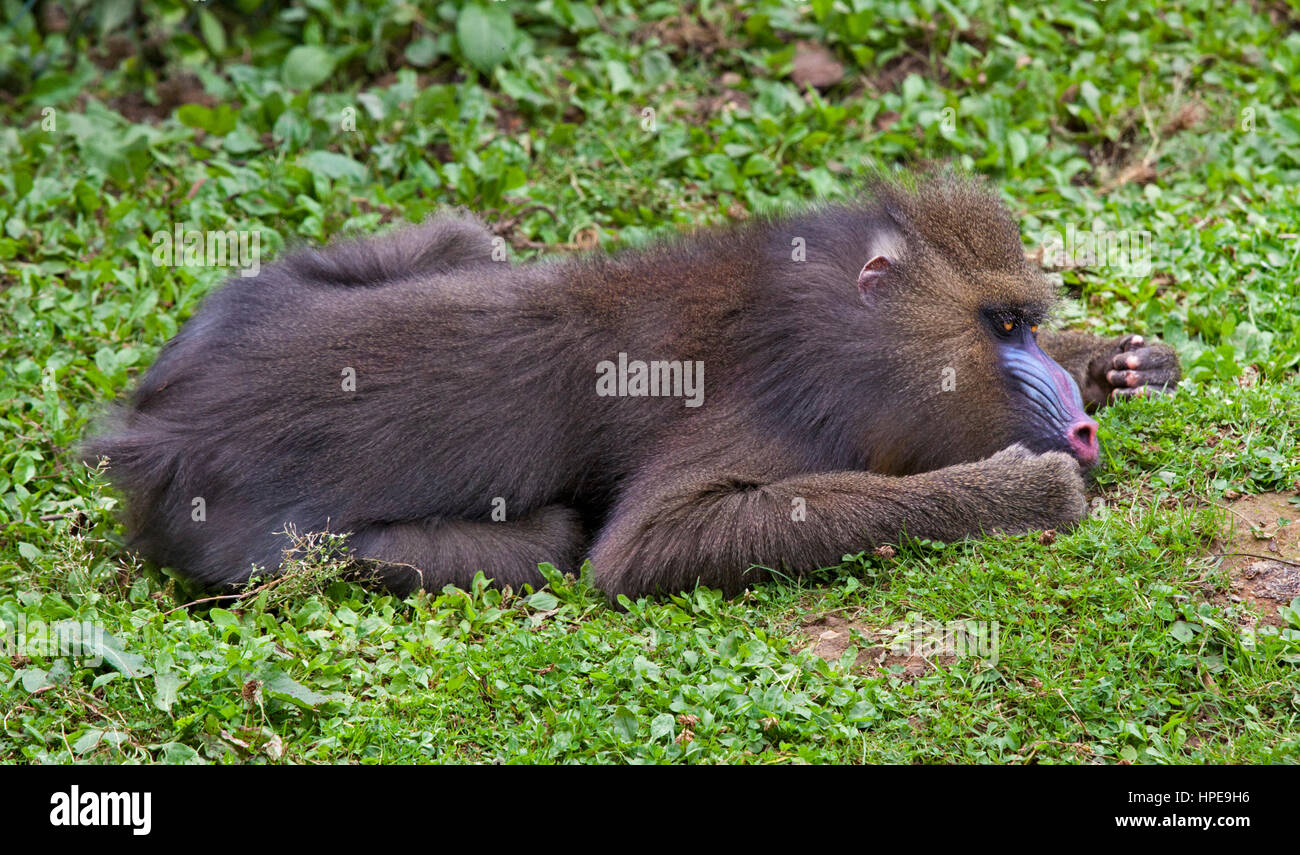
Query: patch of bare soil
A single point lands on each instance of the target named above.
(689, 34)
(892, 74)
(183, 88)
(879, 650)
(1261, 551)
(726, 99)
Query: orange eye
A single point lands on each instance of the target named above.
(1008, 325)
(1034, 329)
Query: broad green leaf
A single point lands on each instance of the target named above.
(166, 686)
(283, 686)
(624, 724)
(306, 67)
(334, 166)
(484, 34)
(35, 679)
(543, 601)
(662, 726)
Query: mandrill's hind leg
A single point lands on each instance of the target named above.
(436, 552)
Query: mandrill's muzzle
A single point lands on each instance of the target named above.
(1054, 408)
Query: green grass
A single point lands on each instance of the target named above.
(1116, 642)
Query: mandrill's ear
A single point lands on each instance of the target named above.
(872, 272)
(884, 249)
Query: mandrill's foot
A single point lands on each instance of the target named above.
(1131, 368)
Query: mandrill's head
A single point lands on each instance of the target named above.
(951, 301)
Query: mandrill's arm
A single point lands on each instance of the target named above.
(672, 530)
(1116, 367)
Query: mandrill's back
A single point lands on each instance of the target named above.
(400, 378)
(325, 403)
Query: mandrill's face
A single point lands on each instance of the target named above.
(985, 382)
(1045, 401)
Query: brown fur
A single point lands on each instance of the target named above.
(475, 391)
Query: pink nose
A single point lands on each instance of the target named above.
(1082, 436)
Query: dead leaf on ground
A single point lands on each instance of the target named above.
(816, 66)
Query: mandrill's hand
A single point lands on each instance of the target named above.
(1016, 490)
(1128, 367)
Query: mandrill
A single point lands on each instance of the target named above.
(770, 395)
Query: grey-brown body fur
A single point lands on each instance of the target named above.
(475, 384)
